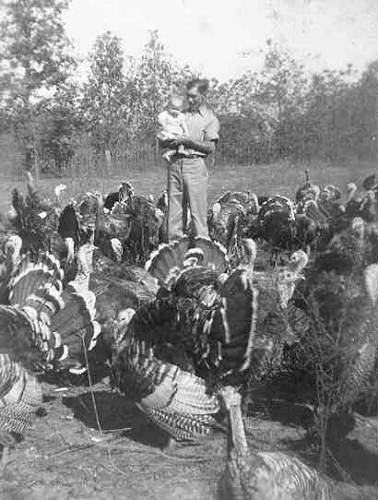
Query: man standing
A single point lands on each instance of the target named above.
(187, 175)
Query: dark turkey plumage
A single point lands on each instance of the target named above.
(334, 357)
(228, 220)
(193, 339)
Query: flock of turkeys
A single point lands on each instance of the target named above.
(282, 295)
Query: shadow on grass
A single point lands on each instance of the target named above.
(285, 412)
(355, 459)
(61, 379)
(116, 414)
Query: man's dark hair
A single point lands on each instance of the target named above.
(200, 83)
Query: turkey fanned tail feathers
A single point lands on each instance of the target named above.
(168, 260)
(45, 326)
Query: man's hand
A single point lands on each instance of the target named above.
(165, 143)
(183, 140)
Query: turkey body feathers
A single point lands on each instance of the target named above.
(69, 226)
(234, 322)
(176, 400)
(20, 396)
(178, 350)
(264, 476)
(272, 476)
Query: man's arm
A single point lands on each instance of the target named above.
(164, 142)
(206, 147)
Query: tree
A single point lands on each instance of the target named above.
(60, 123)
(365, 112)
(155, 77)
(108, 97)
(36, 61)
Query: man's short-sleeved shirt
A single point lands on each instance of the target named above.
(202, 125)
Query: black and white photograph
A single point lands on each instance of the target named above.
(188, 250)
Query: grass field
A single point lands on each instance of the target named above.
(66, 457)
(280, 178)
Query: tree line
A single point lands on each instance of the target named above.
(279, 112)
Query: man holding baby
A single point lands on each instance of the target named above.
(193, 139)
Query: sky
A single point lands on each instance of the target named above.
(224, 38)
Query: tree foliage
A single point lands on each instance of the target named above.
(35, 47)
(108, 98)
(155, 77)
(278, 112)
(35, 62)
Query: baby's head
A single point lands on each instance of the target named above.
(175, 103)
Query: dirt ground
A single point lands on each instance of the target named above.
(64, 456)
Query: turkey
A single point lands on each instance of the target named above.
(162, 205)
(308, 191)
(361, 204)
(145, 222)
(34, 217)
(330, 193)
(69, 237)
(274, 324)
(264, 475)
(334, 358)
(228, 218)
(276, 225)
(281, 279)
(167, 261)
(349, 249)
(330, 216)
(11, 245)
(196, 337)
(306, 232)
(44, 328)
(125, 190)
(369, 207)
(353, 199)
(130, 231)
(78, 220)
(117, 287)
(69, 230)
(110, 232)
(370, 183)
(316, 223)
(44, 226)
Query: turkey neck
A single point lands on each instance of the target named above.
(247, 269)
(100, 217)
(237, 439)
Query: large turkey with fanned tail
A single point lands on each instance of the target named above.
(195, 338)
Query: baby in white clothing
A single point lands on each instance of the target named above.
(172, 122)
